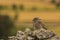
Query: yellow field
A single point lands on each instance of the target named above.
(52, 16)
(46, 16)
(27, 16)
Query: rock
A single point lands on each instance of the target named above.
(54, 38)
(40, 34)
(27, 31)
(12, 38)
(20, 35)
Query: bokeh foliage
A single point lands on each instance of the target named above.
(5, 26)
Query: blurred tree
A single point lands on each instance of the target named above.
(5, 25)
(1, 7)
(21, 7)
(53, 1)
(15, 8)
(34, 8)
(58, 5)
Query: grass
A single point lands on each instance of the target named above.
(31, 9)
(55, 29)
(21, 28)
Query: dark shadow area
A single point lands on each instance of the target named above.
(5, 26)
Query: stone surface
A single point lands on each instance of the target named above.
(40, 34)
